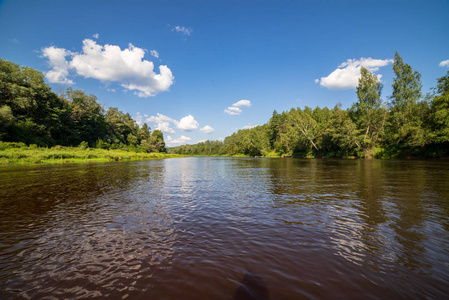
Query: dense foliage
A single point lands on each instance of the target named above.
(407, 125)
(33, 114)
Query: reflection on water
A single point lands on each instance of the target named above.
(222, 228)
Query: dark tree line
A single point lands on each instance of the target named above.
(406, 125)
(30, 112)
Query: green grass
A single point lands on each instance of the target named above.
(25, 155)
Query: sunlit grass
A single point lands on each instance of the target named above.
(61, 155)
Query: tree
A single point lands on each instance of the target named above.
(26, 103)
(86, 117)
(307, 126)
(406, 126)
(440, 111)
(368, 113)
(156, 142)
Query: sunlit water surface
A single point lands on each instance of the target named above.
(224, 228)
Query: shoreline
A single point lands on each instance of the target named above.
(31, 155)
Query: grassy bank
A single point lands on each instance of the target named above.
(20, 154)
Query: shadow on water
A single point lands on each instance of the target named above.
(251, 287)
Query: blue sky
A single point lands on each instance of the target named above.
(185, 66)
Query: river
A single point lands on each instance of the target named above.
(226, 228)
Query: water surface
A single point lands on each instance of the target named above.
(225, 228)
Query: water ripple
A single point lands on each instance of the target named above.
(219, 228)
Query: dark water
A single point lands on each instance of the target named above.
(222, 228)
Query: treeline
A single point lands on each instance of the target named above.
(407, 125)
(31, 113)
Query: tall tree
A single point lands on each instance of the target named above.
(26, 103)
(368, 112)
(440, 112)
(406, 126)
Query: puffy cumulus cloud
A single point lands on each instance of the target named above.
(207, 129)
(347, 75)
(96, 36)
(59, 65)
(233, 111)
(241, 103)
(162, 122)
(183, 30)
(187, 123)
(109, 63)
(202, 141)
(154, 53)
(235, 108)
(159, 118)
(181, 140)
(444, 63)
(165, 127)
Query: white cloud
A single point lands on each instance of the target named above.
(183, 30)
(59, 66)
(233, 111)
(202, 141)
(249, 126)
(154, 53)
(160, 118)
(96, 36)
(241, 103)
(187, 123)
(444, 63)
(171, 142)
(163, 122)
(317, 80)
(139, 119)
(165, 127)
(347, 75)
(207, 129)
(109, 63)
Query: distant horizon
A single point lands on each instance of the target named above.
(202, 70)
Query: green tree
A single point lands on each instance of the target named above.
(440, 112)
(156, 142)
(86, 117)
(27, 103)
(368, 113)
(120, 125)
(406, 124)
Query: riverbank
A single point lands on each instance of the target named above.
(25, 155)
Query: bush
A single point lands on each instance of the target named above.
(83, 145)
(9, 145)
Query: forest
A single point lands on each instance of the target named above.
(31, 113)
(409, 125)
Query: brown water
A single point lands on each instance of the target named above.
(223, 228)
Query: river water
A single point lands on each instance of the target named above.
(226, 228)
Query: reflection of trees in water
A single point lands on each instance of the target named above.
(369, 190)
(364, 203)
(437, 182)
(407, 183)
